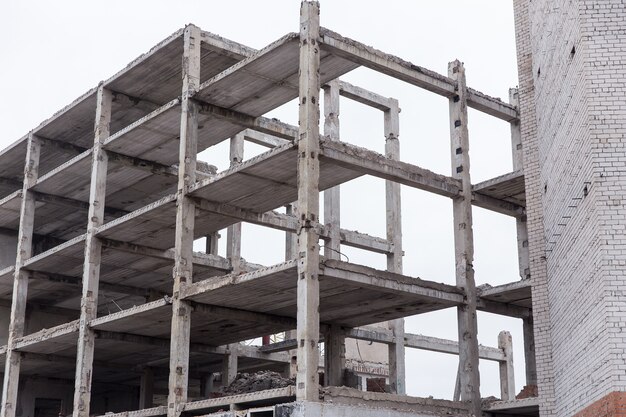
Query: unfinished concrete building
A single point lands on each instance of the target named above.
(104, 201)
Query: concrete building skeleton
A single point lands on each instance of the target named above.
(106, 210)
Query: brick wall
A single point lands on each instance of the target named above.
(612, 405)
(577, 66)
(604, 32)
(534, 209)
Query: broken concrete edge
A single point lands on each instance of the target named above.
(346, 395)
(358, 408)
(507, 405)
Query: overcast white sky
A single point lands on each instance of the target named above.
(55, 51)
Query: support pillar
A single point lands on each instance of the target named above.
(507, 373)
(518, 164)
(207, 382)
(233, 232)
(522, 247)
(334, 338)
(464, 242)
(212, 243)
(230, 364)
(291, 252)
(93, 251)
(457, 385)
(529, 351)
(233, 253)
(397, 376)
(332, 205)
(308, 316)
(146, 389)
(20, 281)
(185, 217)
(291, 239)
(334, 356)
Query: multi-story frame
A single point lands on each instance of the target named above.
(103, 203)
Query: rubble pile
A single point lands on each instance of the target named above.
(258, 381)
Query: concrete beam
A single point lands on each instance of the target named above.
(289, 223)
(503, 309)
(263, 139)
(373, 163)
(225, 46)
(198, 258)
(77, 282)
(75, 204)
(242, 315)
(260, 124)
(366, 97)
(413, 74)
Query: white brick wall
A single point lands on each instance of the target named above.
(579, 165)
(534, 209)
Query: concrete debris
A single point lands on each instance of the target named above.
(485, 402)
(262, 380)
(528, 391)
(483, 287)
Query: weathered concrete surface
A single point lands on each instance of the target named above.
(354, 398)
(396, 409)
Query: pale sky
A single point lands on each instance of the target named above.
(55, 51)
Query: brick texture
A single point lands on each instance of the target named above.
(612, 405)
(572, 69)
(534, 210)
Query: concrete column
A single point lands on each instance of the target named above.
(185, 216)
(457, 385)
(233, 232)
(229, 365)
(332, 204)
(146, 389)
(212, 243)
(233, 253)
(308, 316)
(207, 382)
(291, 239)
(397, 372)
(464, 242)
(334, 356)
(93, 250)
(518, 164)
(293, 367)
(334, 338)
(522, 246)
(507, 373)
(529, 351)
(20, 283)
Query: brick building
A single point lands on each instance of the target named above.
(572, 70)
